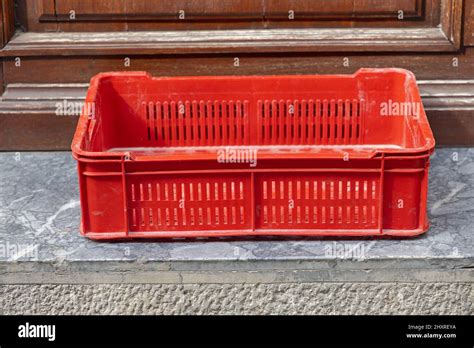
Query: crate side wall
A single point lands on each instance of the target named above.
(405, 194)
(102, 199)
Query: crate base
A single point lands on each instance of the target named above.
(254, 234)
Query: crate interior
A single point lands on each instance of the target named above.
(365, 110)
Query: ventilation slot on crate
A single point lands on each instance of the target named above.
(310, 122)
(196, 123)
(172, 204)
(317, 202)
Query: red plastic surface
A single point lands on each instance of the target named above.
(327, 155)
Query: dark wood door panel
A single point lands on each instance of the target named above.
(345, 9)
(350, 13)
(131, 10)
(154, 27)
(90, 15)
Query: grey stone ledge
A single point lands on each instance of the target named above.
(39, 214)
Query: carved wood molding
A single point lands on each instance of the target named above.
(231, 41)
(42, 97)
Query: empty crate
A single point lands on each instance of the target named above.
(328, 155)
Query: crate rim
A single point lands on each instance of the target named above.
(326, 151)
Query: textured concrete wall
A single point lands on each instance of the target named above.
(283, 298)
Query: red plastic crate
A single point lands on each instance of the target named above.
(329, 155)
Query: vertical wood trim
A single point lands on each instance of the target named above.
(2, 24)
(2, 81)
(469, 23)
(8, 21)
(7, 28)
(451, 21)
